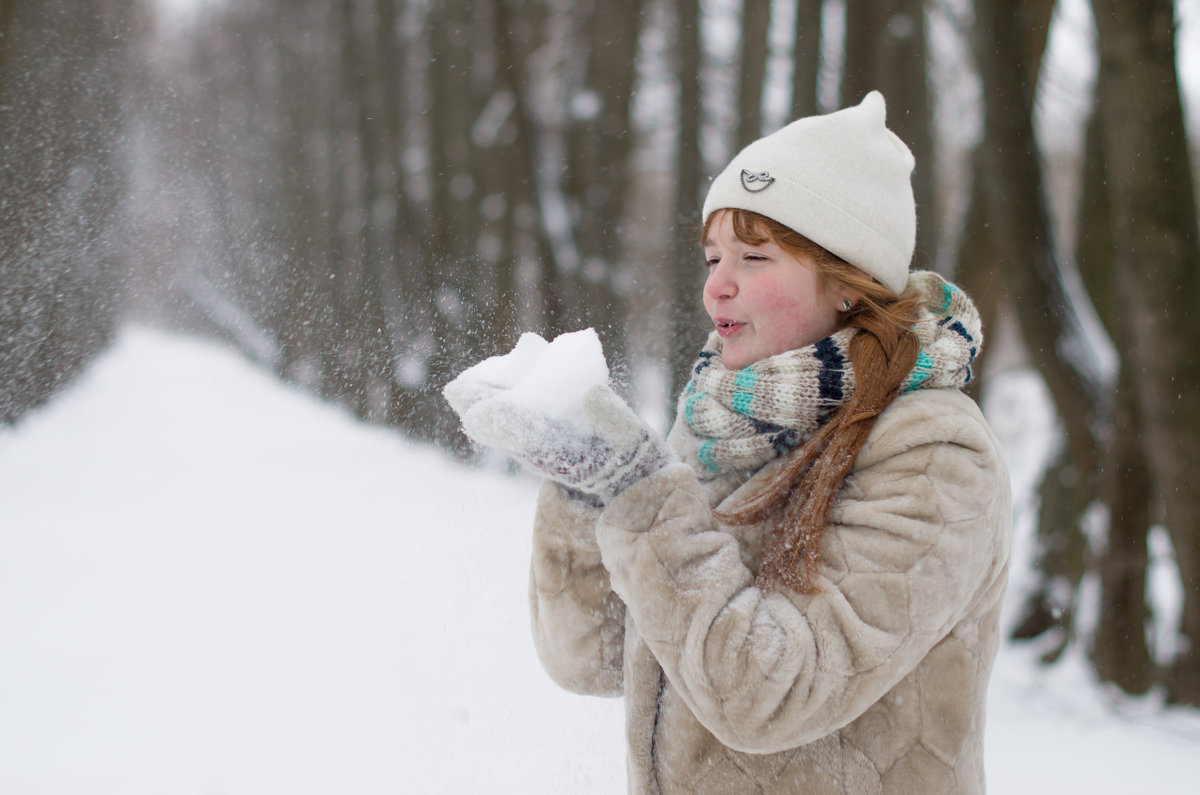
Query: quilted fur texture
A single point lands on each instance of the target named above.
(876, 683)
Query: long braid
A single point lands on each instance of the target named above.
(882, 357)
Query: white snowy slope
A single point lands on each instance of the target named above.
(211, 583)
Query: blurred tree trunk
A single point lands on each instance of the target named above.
(62, 183)
(514, 29)
(1119, 651)
(806, 57)
(369, 324)
(1158, 272)
(393, 216)
(886, 51)
(500, 247)
(977, 261)
(447, 262)
(1008, 49)
(756, 20)
(318, 284)
(866, 38)
(8, 36)
(685, 316)
(599, 143)
(308, 259)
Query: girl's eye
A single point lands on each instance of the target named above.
(711, 261)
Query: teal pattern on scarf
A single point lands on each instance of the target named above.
(920, 372)
(743, 391)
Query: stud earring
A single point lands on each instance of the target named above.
(846, 305)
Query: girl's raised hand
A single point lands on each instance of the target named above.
(605, 454)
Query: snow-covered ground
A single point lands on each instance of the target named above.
(213, 584)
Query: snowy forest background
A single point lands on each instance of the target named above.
(365, 196)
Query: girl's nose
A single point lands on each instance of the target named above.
(718, 284)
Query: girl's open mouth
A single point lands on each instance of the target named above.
(727, 327)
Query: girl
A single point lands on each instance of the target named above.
(799, 590)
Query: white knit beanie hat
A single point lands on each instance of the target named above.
(842, 180)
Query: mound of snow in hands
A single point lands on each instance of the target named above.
(530, 401)
(545, 378)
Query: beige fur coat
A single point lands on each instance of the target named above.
(875, 684)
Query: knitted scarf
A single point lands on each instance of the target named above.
(730, 420)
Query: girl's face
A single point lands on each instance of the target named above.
(763, 299)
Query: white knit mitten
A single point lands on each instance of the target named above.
(603, 456)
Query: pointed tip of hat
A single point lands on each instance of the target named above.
(875, 103)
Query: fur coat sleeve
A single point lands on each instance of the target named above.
(917, 544)
(578, 622)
